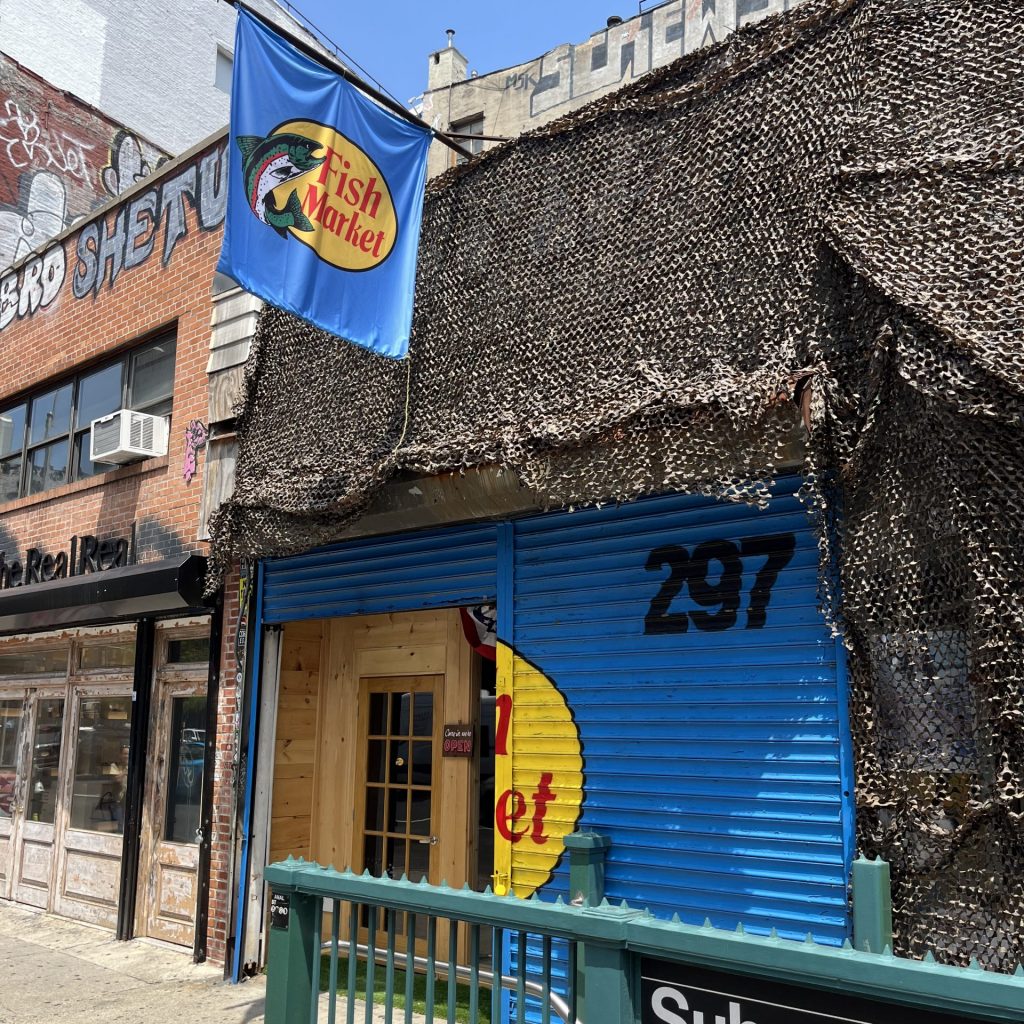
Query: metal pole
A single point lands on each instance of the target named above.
(339, 69)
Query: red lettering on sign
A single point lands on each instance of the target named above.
(505, 819)
(504, 706)
(541, 799)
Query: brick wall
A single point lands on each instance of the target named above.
(160, 243)
(222, 881)
(60, 159)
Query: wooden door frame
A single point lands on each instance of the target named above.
(18, 792)
(168, 682)
(42, 689)
(395, 684)
(80, 687)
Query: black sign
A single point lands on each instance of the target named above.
(683, 994)
(280, 908)
(457, 741)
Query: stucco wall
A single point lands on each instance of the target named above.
(525, 96)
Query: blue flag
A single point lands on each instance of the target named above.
(325, 194)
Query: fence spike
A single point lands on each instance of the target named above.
(740, 929)
(423, 881)
(847, 945)
(809, 938)
(974, 965)
(774, 935)
(488, 891)
(535, 897)
(604, 904)
(289, 859)
(676, 919)
(1019, 973)
(624, 906)
(865, 946)
(929, 957)
(444, 884)
(888, 951)
(465, 886)
(366, 873)
(559, 902)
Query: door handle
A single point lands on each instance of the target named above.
(430, 841)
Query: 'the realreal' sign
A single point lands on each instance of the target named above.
(84, 555)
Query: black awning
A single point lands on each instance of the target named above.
(155, 588)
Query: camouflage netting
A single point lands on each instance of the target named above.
(624, 301)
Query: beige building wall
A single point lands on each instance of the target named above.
(525, 96)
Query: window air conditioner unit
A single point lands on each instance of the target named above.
(125, 436)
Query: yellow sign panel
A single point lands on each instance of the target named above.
(347, 215)
(538, 775)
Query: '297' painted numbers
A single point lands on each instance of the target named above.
(690, 569)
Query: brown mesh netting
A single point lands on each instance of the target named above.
(623, 301)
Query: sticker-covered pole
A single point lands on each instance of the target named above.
(292, 969)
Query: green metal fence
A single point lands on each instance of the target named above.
(612, 950)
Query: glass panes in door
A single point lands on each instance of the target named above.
(398, 834)
(43, 778)
(10, 733)
(185, 774)
(101, 764)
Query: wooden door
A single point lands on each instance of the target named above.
(398, 824)
(13, 714)
(169, 876)
(90, 825)
(40, 800)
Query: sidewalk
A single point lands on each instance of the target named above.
(57, 972)
(54, 971)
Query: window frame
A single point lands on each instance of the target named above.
(468, 126)
(76, 435)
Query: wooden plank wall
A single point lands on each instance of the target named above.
(295, 748)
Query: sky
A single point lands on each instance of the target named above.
(392, 38)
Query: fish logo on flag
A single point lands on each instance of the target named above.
(325, 194)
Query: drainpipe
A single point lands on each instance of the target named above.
(209, 767)
(254, 665)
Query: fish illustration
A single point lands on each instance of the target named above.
(270, 162)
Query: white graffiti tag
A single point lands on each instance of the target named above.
(28, 143)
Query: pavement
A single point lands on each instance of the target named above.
(54, 971)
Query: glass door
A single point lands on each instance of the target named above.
(12, 772)
(400, 770)
(169, 879)
(91, 826)
(38, 802)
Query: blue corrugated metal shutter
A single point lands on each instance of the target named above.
(714, 758)
(403, 572)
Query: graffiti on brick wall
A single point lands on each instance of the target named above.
(151, 221)
(29, 143)
(59, 161)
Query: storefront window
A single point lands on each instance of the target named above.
(43, 781)
(101, 764)
(194, 650)
(185, 778)
(10, 729)
(32, 663)
(108, 656)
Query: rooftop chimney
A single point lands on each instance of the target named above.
(447, 66)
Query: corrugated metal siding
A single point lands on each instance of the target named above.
(712, 759)
(403, 572)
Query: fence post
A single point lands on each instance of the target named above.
(292, 968)
(587, 851)
(872, 905)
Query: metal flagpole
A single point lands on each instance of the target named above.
(332, 65)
